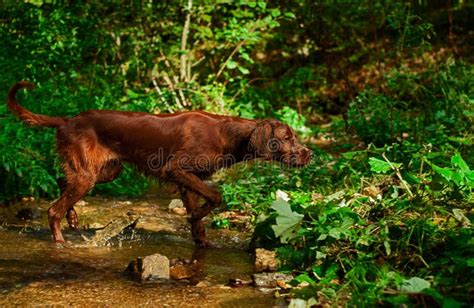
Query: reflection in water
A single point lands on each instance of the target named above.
(33, 270)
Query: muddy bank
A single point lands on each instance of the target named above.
(33, 270)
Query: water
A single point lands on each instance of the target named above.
(36, 271)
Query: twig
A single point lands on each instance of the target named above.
(221, 69)
(184, 39)
(399, 175)
(172, 88)
(247, 84)
(160, 94)
(198, 61)
(405, 28)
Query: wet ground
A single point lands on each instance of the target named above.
(35, 271)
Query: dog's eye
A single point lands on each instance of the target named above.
(287, 138)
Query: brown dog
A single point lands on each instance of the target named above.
(184, 148)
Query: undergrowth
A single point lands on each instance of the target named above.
(388, 222)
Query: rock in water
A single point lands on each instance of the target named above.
(181, 211)
(183, 269)
(175, 203)
(150, 267)
(28, 214)
(180, 271)
(265, 260)
(176, 206)
(270, 280)
(113, 229)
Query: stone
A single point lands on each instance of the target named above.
(175, 203)
(114, 228)
(28, 213)
(282, 284)
(81, 203)
(270, 280)
(181, 271)
(183, 268)
(203, 284)
(150, 267)
(122, 203)
(236, 282)
(181, 211)
(96, 226)
(265, 260)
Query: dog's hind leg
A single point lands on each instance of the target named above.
(71, 214)
(77, 185)
(107, 174)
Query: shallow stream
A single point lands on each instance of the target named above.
(36, 271)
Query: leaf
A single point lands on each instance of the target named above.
(388, 249)
(132, 94)
(287, 221)
(352, 154)
(335, 233)
(262, 4)
(458, 162)
(305, 278)
(275, 12)
(322, 237)
(44, 187)
(457, 213)
(320, 255)
(231, 64)
(380, 166)
(414, 285)
(444, 172)
(243, 70)
(470, 262)
(410, 178)
(335, 196)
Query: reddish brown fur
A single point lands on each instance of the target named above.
(184, 148)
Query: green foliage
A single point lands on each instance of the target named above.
(388, 240)
(382, 223)
(287, 221)
(427, 106)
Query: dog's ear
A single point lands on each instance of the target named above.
(260, 138)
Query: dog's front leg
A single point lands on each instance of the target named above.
(190, 181)
(195, 188)
(190, 200)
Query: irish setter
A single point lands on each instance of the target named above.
(184, 148)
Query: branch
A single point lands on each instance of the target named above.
(184, 39)
(399, 175)
(221, 69)
(172, 87)
(160, 94)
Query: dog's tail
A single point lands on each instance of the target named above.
(27, 116)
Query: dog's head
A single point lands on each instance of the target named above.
(273, 140)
